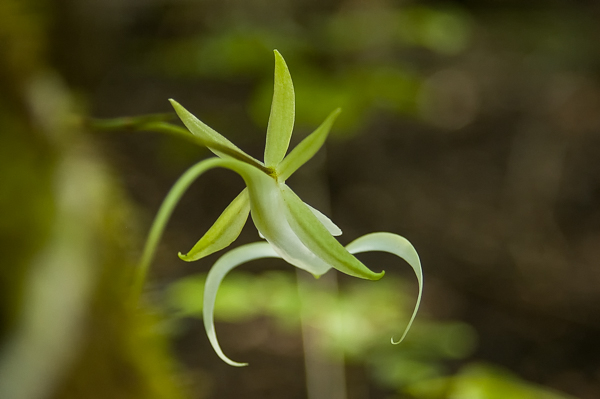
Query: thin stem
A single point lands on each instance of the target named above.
(127, 122)
(156, 123)
(161, 219)
(323, 360)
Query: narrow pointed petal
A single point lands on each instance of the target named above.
(281, 119)
(399, 246)
(224, 231)
(307, 148)
(329, 225)
(230, 260)
(316, 238)
(215, 142)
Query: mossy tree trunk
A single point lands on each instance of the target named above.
(68, 329)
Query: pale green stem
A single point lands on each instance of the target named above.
(324, 364)
(126, 122)
(161, 219)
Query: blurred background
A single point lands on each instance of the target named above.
(472, 128)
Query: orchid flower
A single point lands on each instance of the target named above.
(292, 229)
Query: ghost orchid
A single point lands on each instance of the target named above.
(293, 230)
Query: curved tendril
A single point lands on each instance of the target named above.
(162, 217)
(224, 265)
(399, 246)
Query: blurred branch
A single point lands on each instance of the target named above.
(145, 123)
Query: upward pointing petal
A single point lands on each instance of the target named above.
(281, 119)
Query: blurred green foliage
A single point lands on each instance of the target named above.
(358, 321)
(239, 51)
(482, 381)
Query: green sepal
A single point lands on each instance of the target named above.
(215, 142)
(307, 148)
(281, 119)
(315, 236)
(224, 231)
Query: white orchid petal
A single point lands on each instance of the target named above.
(269, 216)
(224, 231)
(331, 227)
(399, 246)
(319, 241)
(281, 119)
(230, 260)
